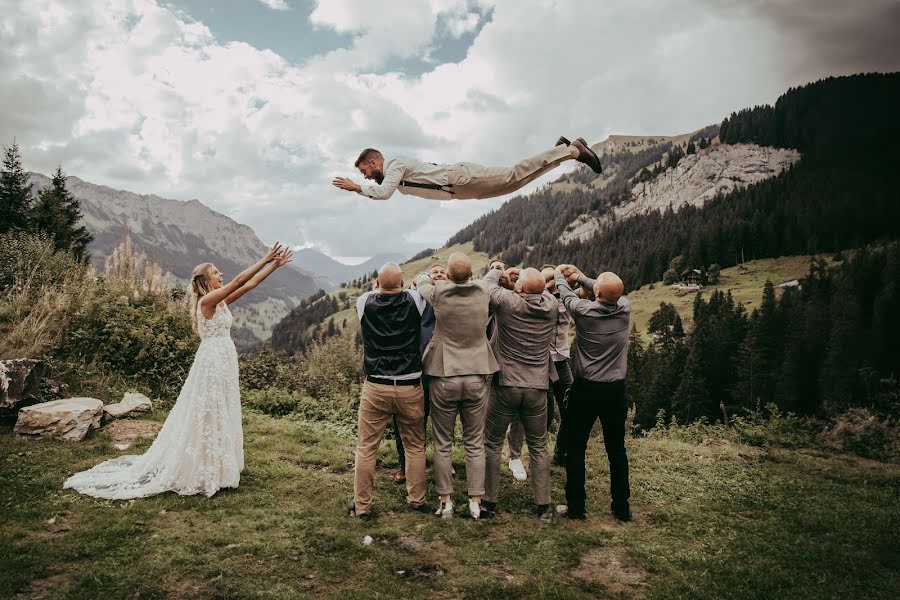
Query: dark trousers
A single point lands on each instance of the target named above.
(398, 442)
(589, 401)
(560, 389)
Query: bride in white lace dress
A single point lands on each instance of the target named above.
(200, 448)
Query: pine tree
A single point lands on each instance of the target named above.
(760, 358)
(15, 193)
(57, 213)
(691, 149)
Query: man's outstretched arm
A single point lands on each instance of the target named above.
(375, 191)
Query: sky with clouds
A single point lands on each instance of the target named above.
(253, 106)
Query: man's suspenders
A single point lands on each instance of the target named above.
(428, 186)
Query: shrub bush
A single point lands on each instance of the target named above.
(93, 333)
(862, 432)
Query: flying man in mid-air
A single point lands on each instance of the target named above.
(458, 181)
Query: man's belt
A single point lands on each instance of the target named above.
(428, 186)
(402, 382)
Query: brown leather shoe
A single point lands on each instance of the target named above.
(562, 141)
(587, 156)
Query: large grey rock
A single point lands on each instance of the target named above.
(20, 381)
(697, 178)
(68, 419)
(132, 402)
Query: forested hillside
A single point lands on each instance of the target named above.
(842, 194)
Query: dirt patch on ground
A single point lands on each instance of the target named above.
(126, 432)
(186, 589)
(614, 570)
(412, 544)
(42, 588)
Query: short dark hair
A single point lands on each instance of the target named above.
(367, 155)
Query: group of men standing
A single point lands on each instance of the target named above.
(488, 350)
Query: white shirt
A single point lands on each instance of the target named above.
(412, 170)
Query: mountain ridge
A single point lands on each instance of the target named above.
(179, 235)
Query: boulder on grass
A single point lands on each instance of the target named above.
(132, 402)
(68, 419)
(20, 381)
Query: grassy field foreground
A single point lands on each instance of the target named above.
(713, 520)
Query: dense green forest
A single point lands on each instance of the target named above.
(818, 349)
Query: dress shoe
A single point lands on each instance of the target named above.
(621, 512)
(562, 141)
(546, 513)
(351, 510)
(587, 156)
(423, 508)
(400, 475)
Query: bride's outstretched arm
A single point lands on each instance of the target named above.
(283, 258)
(213, 298)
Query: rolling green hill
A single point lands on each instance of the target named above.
(745, 282)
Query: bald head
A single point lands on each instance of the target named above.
(390, 277)
(459, 267)
(532, 281)
(609, 288)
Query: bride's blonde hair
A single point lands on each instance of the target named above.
(200, 286)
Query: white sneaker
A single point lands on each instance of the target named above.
(474, 509)
(518, 469)
(445, 510)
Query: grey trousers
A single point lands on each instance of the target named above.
(530, 405)
(465, 395)
(515, 437)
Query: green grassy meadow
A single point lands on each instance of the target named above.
(714, 519)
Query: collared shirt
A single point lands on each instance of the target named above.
(601, 333)
(411, 170)
(391, 330)
(526, 325)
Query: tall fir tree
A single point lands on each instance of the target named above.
(57, 214)
(760, 358)
(15, 193)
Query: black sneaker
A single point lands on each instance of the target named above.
(423, 508)
(488, 509)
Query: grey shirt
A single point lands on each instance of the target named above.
(601, 333)
(526, 327)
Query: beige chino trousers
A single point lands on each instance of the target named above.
(474, 181)
(378, 402)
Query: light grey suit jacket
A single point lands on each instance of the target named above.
(460, 345)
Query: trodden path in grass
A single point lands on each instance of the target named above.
(713, 520)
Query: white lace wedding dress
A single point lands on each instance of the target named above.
(200, 448)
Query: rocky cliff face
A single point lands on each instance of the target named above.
(696, 179)
(179, 235)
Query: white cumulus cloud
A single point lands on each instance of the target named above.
(136, 95)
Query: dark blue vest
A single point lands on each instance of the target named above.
(391, 329)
